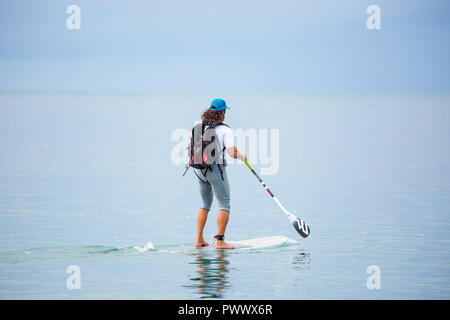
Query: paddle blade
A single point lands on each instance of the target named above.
(301, 227)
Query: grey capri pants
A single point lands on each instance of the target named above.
(211, 184)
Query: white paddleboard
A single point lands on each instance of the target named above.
(260, 243)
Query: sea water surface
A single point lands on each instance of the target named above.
(89, 181)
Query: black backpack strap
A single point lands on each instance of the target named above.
(191, 151)
(187, 168)
(221, 172)
(223, 124)
(199, 177)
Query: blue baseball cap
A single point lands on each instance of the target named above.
(218, 104)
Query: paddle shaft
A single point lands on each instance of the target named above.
(260, 180)
(300, 226)
(290, 215)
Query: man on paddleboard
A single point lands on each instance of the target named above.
(212, 176)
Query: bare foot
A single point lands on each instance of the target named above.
(223, 245)
(201, 243)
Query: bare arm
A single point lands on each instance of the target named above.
(234, 153)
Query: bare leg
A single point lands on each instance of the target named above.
(202, 216)
(222, 221)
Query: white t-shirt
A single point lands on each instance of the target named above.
(225, 136)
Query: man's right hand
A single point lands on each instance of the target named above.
(234, 153)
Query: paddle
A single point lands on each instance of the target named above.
(300, 226)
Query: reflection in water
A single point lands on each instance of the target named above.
(212, 280)
(301, 260)
(212, 269)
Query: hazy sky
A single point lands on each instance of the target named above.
(198, 46)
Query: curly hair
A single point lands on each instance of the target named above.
(213, 117)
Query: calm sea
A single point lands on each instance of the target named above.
(89, 181)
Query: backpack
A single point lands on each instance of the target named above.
(204, 149)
